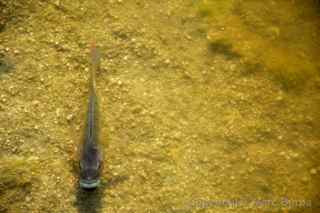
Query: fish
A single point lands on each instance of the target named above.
(90, 159)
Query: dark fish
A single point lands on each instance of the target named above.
(90, 161)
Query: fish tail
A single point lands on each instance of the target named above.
(95, 65)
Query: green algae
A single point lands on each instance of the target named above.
(223, 47)
(263, 33)
(14, 11)
(5, 64)
(15, 183)
(217, 9)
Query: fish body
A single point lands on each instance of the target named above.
(90, 160)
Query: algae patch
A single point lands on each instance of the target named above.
(217, 9)
(276, 35)
(5, 64)
(223, 47)
(14, 11)
(15, 183)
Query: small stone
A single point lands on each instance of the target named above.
(251, 169)
(57, 3)
(273, 31)
(279, 98)
(152, 113)
(232, 67)
(70, 117)
(36, 102)
(58, 112)
(313, 171)
(305, 179)
(295, 155)
(28, 199)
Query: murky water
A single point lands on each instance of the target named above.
(206, 106)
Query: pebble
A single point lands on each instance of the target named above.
(16, 52)
(251, 169)
(295, 155)
(58, 112)
(167, 61)
(305, 179)
(273, 31)
(232, 67)
(28, 199)
(36, 102)
(279, 98)
(313, 171)
(70, 117)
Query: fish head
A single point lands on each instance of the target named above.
(89, 176)
(90, 166)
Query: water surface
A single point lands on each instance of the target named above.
(206, 106)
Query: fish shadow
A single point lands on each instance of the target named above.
(91, 200)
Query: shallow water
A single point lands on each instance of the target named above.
(206, 106)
